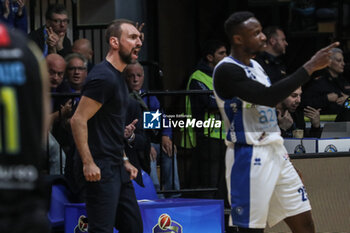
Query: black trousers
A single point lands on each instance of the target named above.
(112, 201)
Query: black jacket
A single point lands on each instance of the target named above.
(273, 66)
(315, 92)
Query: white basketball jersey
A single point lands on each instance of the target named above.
(248, 123)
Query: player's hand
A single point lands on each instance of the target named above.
(130, 128)
(321, 59)
(91, 172)
(314, 115)
(131, 169)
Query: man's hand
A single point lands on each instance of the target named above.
(341, 100)
(167, 146)
(131, 169)
(321, 59)
(92, 172)
(129, 129)
(153, 154)
(52, 40)
(6, 9)
(332, 97)
(21, 4)
(314, 115)
(59, 45)
(66, 109)
(285, 121)
(139, 28)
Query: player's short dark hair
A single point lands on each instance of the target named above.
(210, 47)
(114, 28)
(55, 9)
(234, 21)
(271, 31)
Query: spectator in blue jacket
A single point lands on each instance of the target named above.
(134, 74)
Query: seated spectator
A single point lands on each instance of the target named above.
(56, 66)
(134, 74)
(270, 59)
(52, 37)
(61, 107)
(83, 46)
(291, 116)
(330, 90)
(14, 14)
(76, 71)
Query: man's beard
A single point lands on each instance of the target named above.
(125, 56)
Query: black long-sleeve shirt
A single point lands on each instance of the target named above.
(231, 81)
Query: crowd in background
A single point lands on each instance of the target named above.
(70, 63)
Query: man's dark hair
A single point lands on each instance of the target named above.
(233, 22)
(55, 9)
(114, 28)
(271, 31)
(210, 47)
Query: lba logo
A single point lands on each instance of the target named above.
(151, 120)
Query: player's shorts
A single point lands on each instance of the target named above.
(263, 185)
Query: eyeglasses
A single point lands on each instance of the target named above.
(60, 21)
(74, 68)
(59, 74)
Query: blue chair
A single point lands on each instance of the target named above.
(59, 196)
(147, 192)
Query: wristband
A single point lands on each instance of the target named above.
(125, 158)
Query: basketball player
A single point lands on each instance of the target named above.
(263, 185)
(23, 111)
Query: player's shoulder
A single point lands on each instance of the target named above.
(228, 66)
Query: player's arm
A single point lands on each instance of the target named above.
(231, 81)
(86, 109)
